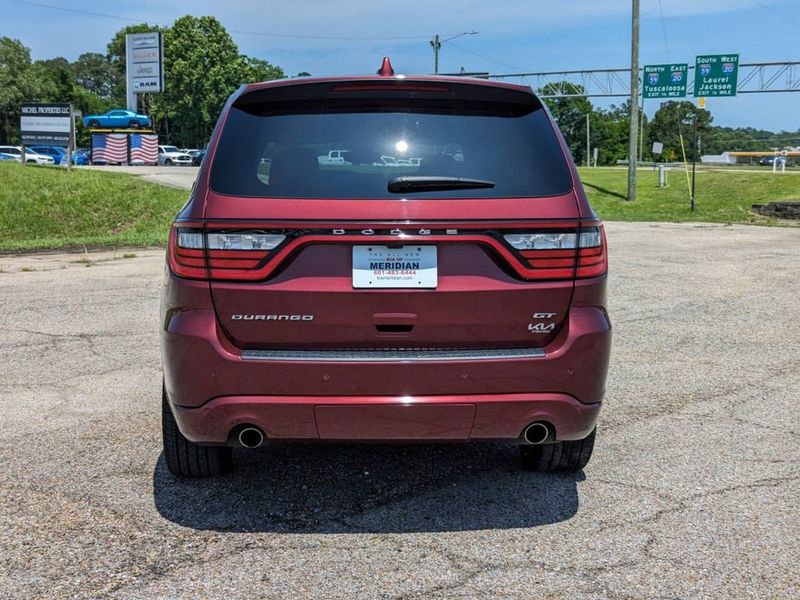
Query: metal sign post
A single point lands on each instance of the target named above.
(71, 140)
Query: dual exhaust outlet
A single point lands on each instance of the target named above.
(535, 433)
(251, 437)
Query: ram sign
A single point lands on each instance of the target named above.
(45, 124)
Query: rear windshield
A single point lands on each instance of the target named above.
(318, 151)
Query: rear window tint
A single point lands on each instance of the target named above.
(352, 152)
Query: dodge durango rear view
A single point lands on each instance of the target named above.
(384, 258)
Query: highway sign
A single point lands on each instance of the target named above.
(665, 81)
(716, 75)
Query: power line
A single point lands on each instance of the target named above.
(664, 28)
(239, 32)
(80, 12)
(484, 57)
(775, 12)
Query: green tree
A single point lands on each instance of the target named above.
(675, 118)
(202, 68)
(259, 69)
(569, 109)
(18, 83)
(55, 79)
(610, 131)
(94, 73)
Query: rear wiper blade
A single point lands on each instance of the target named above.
(435, 183)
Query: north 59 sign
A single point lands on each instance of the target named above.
(665, 81)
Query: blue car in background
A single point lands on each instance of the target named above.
(117, 119)
(59, 154)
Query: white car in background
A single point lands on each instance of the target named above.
(170, 155)
(30, 156)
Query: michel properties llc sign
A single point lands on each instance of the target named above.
(45, 124)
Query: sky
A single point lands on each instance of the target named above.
(338, 37)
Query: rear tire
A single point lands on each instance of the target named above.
(168, 162)
(567, 456)
(134, 124)
(185, 458)
(94, 124)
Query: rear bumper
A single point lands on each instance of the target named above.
(484, 417)
(212, 387)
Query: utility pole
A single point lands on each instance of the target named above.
(436, 44)
(588, 144)
(633, 138)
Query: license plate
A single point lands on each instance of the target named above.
(408, 266)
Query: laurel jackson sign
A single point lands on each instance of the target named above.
(716, 75)
(46, 124)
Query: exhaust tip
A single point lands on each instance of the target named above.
(536, 433)
(251, 437)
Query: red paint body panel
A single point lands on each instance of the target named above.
(485, 297)
(375, 418)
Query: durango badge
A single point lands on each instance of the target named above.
(272, 317)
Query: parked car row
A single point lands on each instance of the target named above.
(44, 155)
(57, 155)
(31, 156)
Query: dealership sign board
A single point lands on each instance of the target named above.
(665, 81)
(716, 75)
(144, 62)
(45, 124)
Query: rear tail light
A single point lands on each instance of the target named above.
(554, 254)
(197, 254)
(204, 252)
(243, 240)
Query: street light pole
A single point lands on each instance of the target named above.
(436, 47)
(436, 44)
(633, 138)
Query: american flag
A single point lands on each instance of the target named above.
(144, 148)
(110, 147)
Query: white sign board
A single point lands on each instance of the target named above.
(387, 267)
(144, 61)
(46, 124)
(658, 147)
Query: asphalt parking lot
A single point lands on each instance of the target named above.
(692, 492)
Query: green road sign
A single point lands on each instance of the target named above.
(716, 75)
(665, 81)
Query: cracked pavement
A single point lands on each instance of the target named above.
(692, 492)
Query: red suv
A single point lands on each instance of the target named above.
(384, 258)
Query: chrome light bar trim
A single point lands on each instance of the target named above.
(393, 355)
